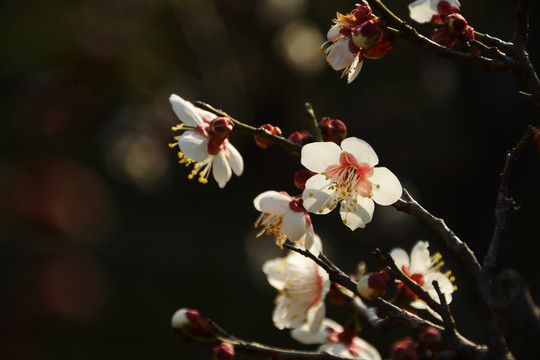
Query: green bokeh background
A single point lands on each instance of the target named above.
(102, 236)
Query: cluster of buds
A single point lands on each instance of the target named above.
(270, 129)
(428, 344)
(373, 285)
(454, 25)
(356, 36)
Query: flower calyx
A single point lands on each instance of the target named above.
(224, 351)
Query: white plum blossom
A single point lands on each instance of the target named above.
(284, 217)
(337, 341)
(422, 11)
(424, 269)
(302, 287)
(347, 176)
(340, 56)
(205, 143)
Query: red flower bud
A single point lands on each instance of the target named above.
(263, 143)
(301, 177)
(404, 349)
(224, 351)
(188, 323)
(445, 8)
(456, 24)
(221, 127)
(373, 285)
(536, 139)
(333, 130)
(300, 138)
(431, 339)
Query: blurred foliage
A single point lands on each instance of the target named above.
(102, 237)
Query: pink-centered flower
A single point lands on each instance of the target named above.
(347, 176)
(424, 269)
(284, 217)
(422, 11)
(205, 143)
(337, 341)
(302, 287)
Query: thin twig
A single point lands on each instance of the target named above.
(240, 126)
(412, 207)
(504, 203)
(446, 314)
(522, 24)
(313, 122)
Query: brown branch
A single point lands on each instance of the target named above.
(313, 122)
(411, 207)
(446, 314)
(522, 24)
(278, 140)
(253, 348)
(504, 203)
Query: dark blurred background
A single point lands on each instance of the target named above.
(103, 237)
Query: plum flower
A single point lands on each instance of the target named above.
(424, 269)
(284, 217)
(302, 287)
(422, 11)
(337, 341)
(205, 143)
(346, 175)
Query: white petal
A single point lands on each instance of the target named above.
(185, 111)
(420, 259)
(274, 272)
(294, 225)
(339, 55)
(361, 216)
(316, 194)
(315, 316)
(387, 188)
(303, 335)
(309, 240)
(366, 350)
(362, 151)
(355, 68)
(333, 34)
(401, 257)
(422, 10)
(288, 313)
(194, 146)
(445, 285)
(221, 169)
(272, 202)
(318, 156)
(316, 248)
(235, 160)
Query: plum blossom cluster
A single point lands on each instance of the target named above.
(356, 36)
(445, 13)
(205, 144)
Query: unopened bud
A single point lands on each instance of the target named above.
(373, 285)
(445, 8)
(301, 177)
(536, 139)
(456, 24)
(301, 138)
(189, 323)
(442, 37)
(224, 351)
(221, 127)
(263, 143)
(368, 34)
(431, 339)
(404, 349)
(333, 130)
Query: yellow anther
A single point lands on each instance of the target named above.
(171, 145)
(454, 287)
(190, 177)
(176, 138)
(310, 194)
(289, 282)
(321, 211)
(279, 270)
(452, 278)
(448, 273)
(345, 221)
(378, 186)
